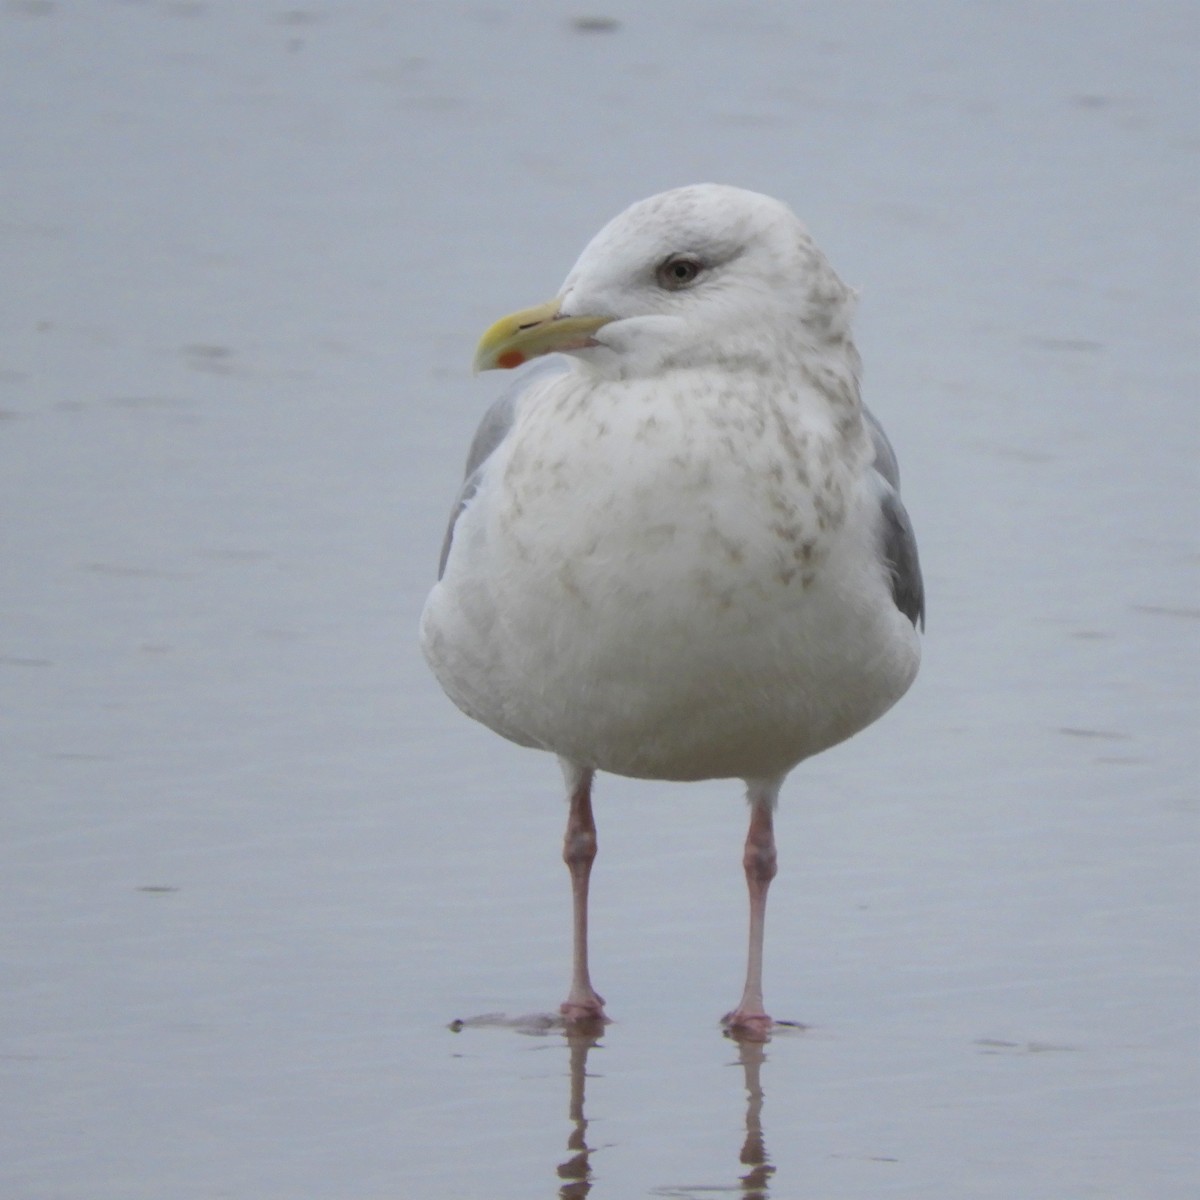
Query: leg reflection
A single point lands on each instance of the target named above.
(755, 1183)
(576, 1172)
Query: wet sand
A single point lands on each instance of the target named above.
(254, 864)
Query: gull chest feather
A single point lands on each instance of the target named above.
(665, 497)
(666, 553)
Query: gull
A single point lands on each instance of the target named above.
(679, 550)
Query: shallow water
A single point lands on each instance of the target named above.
(254, 864)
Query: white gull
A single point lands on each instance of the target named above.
(683, 556)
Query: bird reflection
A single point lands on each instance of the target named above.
(755, 1183)
(576, 1172)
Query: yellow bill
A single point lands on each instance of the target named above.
(532, 332)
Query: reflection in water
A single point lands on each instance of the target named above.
(754, 1150)
(576, 1172)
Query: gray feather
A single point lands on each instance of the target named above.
(885, 456)
(898, 541)
(492, 430)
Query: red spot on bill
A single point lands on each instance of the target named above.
(510, 359)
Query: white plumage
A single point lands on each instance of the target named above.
(684, 556)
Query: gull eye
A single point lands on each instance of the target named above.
(678, 272)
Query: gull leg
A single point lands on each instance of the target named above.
(583, 1003)
(749, 1018)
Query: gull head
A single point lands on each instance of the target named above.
(706, 275)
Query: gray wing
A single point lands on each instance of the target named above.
(493, 429)
(885, 456)
(898, 542)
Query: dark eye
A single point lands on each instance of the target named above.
(678, 271)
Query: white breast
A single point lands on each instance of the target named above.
(651, 581)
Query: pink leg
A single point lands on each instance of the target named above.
(759, 861)
(579, 852)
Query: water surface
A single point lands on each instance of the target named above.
(254, 864)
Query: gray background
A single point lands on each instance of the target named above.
(253, 861)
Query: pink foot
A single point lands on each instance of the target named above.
(583, 1004)
(584, 1012)
(748, 1026)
